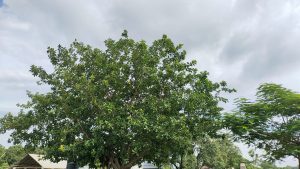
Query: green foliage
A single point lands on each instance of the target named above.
(14, 154)
(184, 161)
(4, 166)
(10, 155)
(272, 122)
(166, 166)
(190, 161)
(3, 162)
(262, 164)
(251, 166)
(215, 153)
(218, 153)
(267, 165)
(123, 105)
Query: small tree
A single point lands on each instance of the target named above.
(272, 122)
(14, 154)
(3, 161)
(120, 106)
(218, 153)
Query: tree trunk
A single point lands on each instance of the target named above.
(115, 164)
(181, 162)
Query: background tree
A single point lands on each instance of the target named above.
(186, 160)
(258, 161)
(218, 153)
(3, 162)
(14, 154)
(271, 122)
(123, 105)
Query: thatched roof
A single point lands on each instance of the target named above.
(36, 160)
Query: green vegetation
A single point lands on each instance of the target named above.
(215, 153)
(9, 156)
(3, 162)
(272, 122)
(218, 153)
(133, 102)
(13, 154)
(120, 106)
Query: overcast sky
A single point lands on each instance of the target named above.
(244, 42)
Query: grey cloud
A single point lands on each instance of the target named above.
(237, 40)
(15, 78)
(187, 22)
(245, 42)
(63, 21)
(260, 35)
(268, 43)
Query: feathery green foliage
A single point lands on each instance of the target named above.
(272, 122)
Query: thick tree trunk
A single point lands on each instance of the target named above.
(115, 164)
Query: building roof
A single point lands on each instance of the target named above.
(38, 159)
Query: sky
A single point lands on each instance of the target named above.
(244, 42)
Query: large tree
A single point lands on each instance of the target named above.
(119, 106)
(271, 122)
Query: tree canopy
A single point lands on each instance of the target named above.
(271, 122)
(14, 153)
(10, 155)
(120, 106)
(218, 153)
(3, 161)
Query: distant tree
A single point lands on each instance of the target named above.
(190, 161)
(271, 122)
(218, 153)
(186, 160)
(268, 165)
(14, 154)
(2, 153)
(3, 163)
(128, 103)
